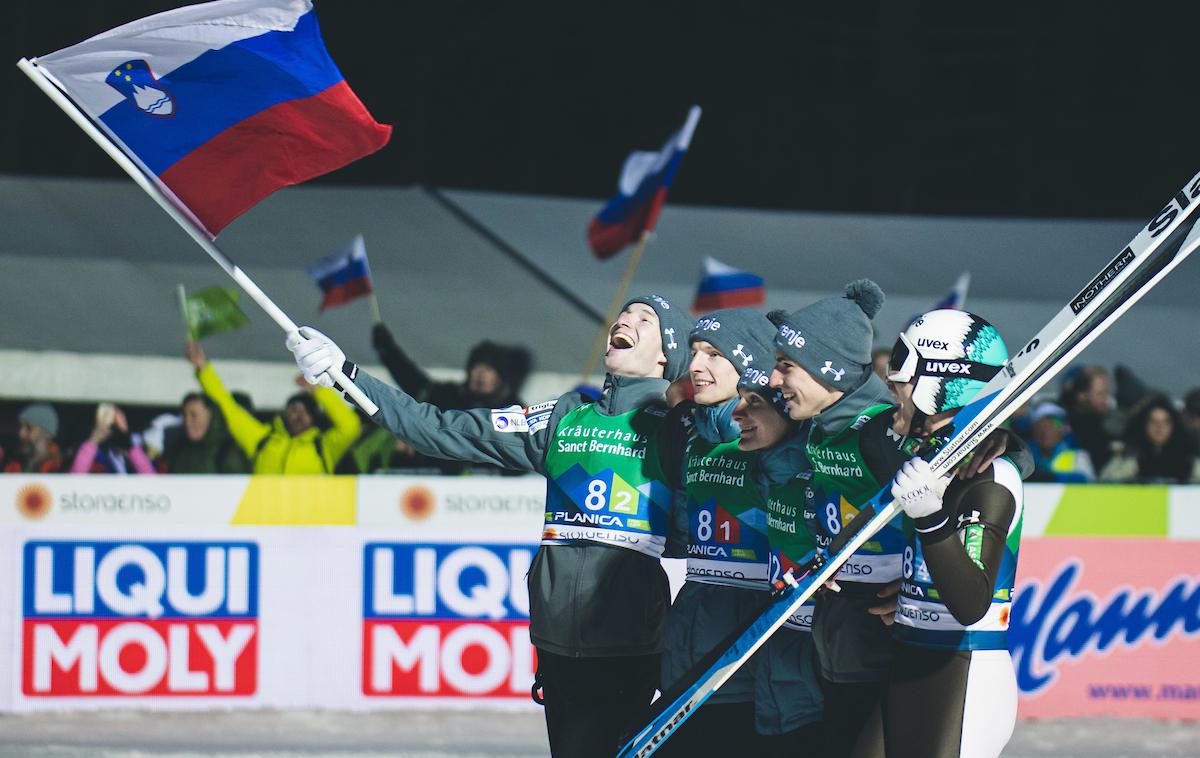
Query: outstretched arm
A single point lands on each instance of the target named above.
(501, 437)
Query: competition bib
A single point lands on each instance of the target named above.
(727, 517)
(605, 481)
(841, 483)
(923, 619)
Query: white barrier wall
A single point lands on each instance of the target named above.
(385, 592)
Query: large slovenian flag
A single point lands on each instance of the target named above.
(222, 103)
(642, 190)
(723, 286)
(343, 276)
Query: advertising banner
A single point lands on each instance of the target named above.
(1107, 627)
(383, 592)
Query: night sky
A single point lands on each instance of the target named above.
(1025, 109)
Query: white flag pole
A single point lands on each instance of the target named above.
(200, 237)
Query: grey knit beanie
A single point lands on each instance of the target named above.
(831, 339)
(674, 323)
(743, 335)
(40, 414)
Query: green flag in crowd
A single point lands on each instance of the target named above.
(212, 310)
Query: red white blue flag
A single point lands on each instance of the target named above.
(642, 190)
(222, 103)
(956, 298)
(343, 276)
(723, 286)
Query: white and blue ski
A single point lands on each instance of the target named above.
(1157, 249)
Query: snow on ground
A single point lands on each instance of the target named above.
(427, 734)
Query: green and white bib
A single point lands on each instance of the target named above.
(727, 517)
(606, 483)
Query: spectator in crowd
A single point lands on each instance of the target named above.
(1191, 413)
(1130, 389)
(495, 376)
(293, 442)
(1055, 455)
(1158, 447)
(37, 426)
(110, 448)
(155, 435)
(202, 443)
(1087, 397)
(380, 450)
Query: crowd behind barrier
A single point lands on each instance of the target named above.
(1100, 426)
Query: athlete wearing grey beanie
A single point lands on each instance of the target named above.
(742, 335)
(831, 339)
(674, 325)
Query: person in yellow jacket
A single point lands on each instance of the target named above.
(292, 443)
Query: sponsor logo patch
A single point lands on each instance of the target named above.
(510, 419)
(540, 407)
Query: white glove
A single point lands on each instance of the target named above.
(917, 490)
(315, 355)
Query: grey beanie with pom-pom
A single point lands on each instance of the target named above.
(832, 337)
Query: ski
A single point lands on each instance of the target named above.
(1170, 237)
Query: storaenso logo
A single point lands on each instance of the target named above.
(1097, 285)
(469, 503)
(1070, 624)
(114, 503)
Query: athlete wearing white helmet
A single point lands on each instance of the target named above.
(953, 691)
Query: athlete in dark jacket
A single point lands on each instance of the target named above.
(597, 592)
(953, 690)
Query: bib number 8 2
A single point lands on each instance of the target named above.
(597, 498)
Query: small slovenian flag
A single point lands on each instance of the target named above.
(220, 103)
(723, 286)
(642, 190)
(343, 276)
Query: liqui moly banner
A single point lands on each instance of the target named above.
(446, 620)
(136, 619)
(1107, 627)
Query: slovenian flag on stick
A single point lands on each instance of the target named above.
(220, 103)
(642, 190)
(723, 286)
(343, 276)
